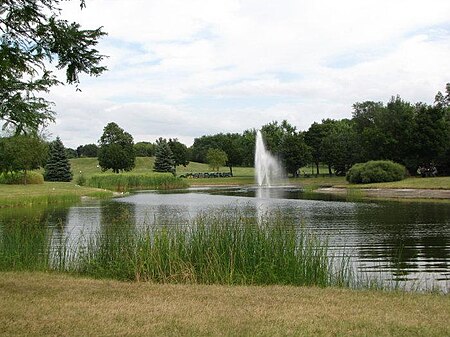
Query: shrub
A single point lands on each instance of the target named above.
(19, 178)
(376, 171)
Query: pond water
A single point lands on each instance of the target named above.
(402, 242)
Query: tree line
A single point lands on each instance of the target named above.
(414, 135)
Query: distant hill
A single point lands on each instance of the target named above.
(89, 166)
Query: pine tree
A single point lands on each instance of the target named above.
(58, 166)
(164, 161)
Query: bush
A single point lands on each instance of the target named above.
(376, 171)
(18, 178)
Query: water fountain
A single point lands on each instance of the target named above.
(267, 168)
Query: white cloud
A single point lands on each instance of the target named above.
(188, 68)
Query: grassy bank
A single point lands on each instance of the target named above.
(413, 182)
(38, 304)
(47, 193)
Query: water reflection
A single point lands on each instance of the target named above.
(399, 241)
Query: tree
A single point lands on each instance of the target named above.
(57, 167)
(33, 37)
(201, 146)
(340, 148)
(274, 132)
(386, 132)
(22, 153)
(432, 134)
(232, 145)
(180, 152)
(314, 137)
(294, 152)
(71, 153)
(116, 149)
(144, 149)
(88, 150)
(216, 158)
(248, 143)
(164, 161)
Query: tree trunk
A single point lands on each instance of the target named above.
(317, 168)
(329, 170)
(231, 170)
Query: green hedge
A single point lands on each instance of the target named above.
(376, 171)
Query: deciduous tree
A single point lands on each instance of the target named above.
(216, 158)
(22, 153)
(116, 149)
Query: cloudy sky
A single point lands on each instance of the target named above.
(184, 69)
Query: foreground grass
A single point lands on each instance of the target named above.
(39, 304)
(47, 193)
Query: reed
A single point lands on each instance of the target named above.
(24, 247)
(225, 248)
(128, 181)
(213, 248)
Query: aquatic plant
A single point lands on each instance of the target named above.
(128, 181)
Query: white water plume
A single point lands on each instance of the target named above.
(267, 168)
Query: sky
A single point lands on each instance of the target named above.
(184, 69)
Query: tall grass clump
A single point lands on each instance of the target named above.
(376, 171)
(226, 248)
(21, 178)
(128, 181)
(24, 247)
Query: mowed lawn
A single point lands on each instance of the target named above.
(144, 165)
(37, 304)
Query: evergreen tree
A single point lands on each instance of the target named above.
(58, 166)
(164, 160)
(35, 40)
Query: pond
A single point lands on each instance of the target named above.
(403, 242)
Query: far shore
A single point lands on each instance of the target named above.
(392, 193)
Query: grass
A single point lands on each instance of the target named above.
(128, 181)
(413, 182)
(88, 166)
(47, 193)
(43, 304)
(222, 248)
(225, 248)
(144, 165)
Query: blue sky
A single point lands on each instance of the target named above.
(183, 69)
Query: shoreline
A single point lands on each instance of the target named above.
(390, 193)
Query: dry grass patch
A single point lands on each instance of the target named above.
(36, 304)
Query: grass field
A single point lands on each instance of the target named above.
(38, 304)
(144, 165)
